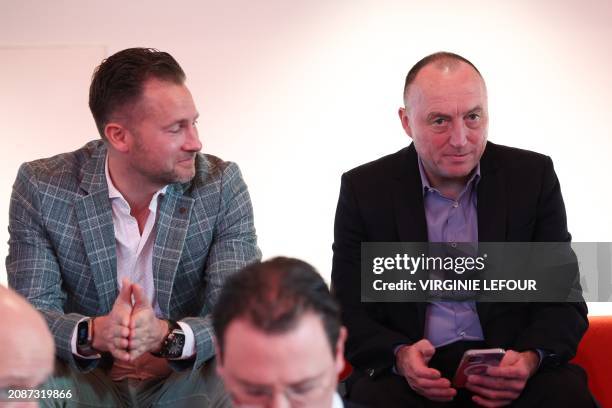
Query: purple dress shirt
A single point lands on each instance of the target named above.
(451, 221)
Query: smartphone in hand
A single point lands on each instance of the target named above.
(476, 362)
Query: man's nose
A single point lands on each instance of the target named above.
(280, 400)
(192, 141)
(459, 135)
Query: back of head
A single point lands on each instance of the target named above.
(27, 350)
(441, 60)
(118, 81)
(273, 296)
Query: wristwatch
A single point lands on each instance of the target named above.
(172, 346)
(85, 337)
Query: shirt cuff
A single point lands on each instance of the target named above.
(395, 350)
(73, 343)
(189, 349)
(542, 354)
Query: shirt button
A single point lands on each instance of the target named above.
(462, 334)
(455, 204)
(454, 244)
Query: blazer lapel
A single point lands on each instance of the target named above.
(172, 223)
(408, 198)
(94, 214)
(491, 199)
(492, 211)
(409, 210)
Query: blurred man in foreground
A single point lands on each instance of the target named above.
(279, 338)
(26, 350)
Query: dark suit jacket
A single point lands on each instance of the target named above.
(519, 200)
(349, 404)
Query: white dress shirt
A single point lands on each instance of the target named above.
(135, 255)
(337, 401)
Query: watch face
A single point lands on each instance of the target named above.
(175, 344)
(83, 333)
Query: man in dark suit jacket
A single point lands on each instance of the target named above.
(453, 185)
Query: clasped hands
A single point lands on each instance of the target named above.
(499, 387)
(129, 330)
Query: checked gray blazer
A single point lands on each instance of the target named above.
(62, 244)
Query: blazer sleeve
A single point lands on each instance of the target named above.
(234, 246)
(370, 344)
(33, 269)
(556, 328)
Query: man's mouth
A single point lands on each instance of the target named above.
(458, 155)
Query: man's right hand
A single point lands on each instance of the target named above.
(111, 332)
(411, 362)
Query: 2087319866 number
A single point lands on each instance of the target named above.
(35, 394)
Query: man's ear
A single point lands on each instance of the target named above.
(403, 115)
(117, 136)
(340, 350)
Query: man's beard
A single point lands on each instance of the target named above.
(154, 175)
(170, 177)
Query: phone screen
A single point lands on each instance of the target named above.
(476, 362)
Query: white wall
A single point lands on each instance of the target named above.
(297, 92)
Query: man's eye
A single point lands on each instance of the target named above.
(257, 392)
(473, 116)
(195, 122)
(303, 389)
(439, 121)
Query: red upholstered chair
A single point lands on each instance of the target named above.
(346, 371)
(595, 356)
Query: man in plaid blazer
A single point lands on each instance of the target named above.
(124, 244)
